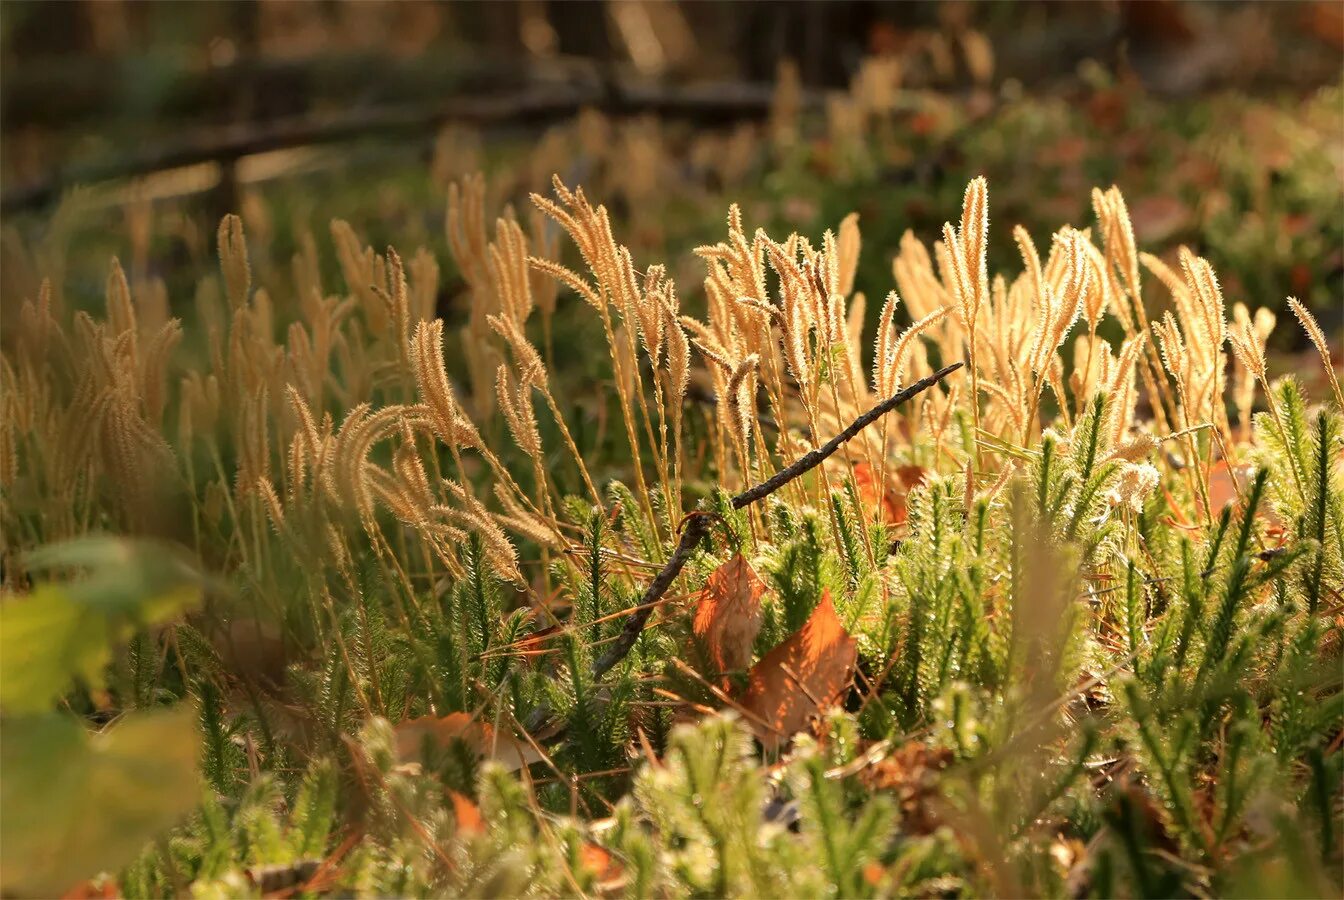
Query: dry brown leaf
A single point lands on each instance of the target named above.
(905, 478)
(1158, 218)
(893, 505)
(412, 734)
(1325, 21)
(535, 645)
(1224, 482)
(911, 773)
(801, 677)
(1231, 484)
(86, 890)
(728, 614)
(467, 814)
(255, 647)
(598, 861)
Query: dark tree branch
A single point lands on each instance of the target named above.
(532, 107)
(814, 458)
(695, 527)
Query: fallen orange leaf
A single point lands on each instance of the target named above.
(86, 890)
(412, 734)
(911, 772)
(892, 499)
(911, 477)
(1224, 481)
(1177, 518)
(1231, 484)
(598, 861)
(1325, 21)
(1157, 218)
(800, 677)
(728, 614)
(535, 644)
(467, 814)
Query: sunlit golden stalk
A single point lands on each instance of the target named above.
(1317, 338)
(627, 415)
(659, 458)
(849, 460)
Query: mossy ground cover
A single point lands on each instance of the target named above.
(322, 550)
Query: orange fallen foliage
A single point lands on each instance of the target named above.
(85, 890)
(911, 772)
(906, 479)
(1227, 485)
(1224, 481)
(728, 614)
(536, 644)
(601, 863)
(467, 814)
(800, 677)
(412, 734)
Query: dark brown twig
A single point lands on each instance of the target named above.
(535, 105)
(695, 526)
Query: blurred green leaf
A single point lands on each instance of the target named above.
(62, 632)
(117, 574)
(77, 804)
(46, 640)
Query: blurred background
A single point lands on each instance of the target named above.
(128, 128)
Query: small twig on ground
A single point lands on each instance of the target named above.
(694, 526)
